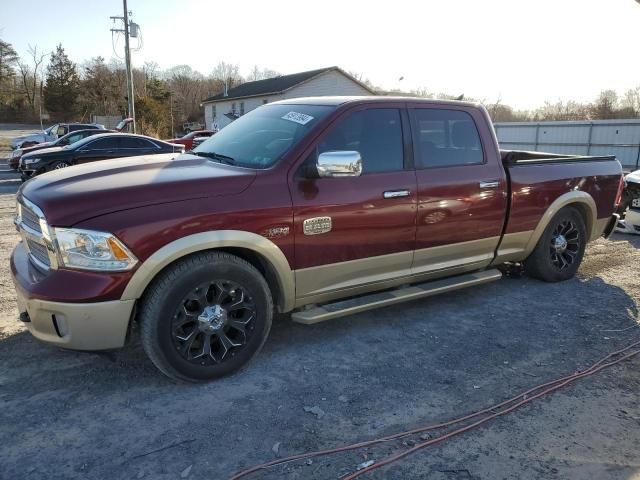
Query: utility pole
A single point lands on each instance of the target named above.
(127, 55)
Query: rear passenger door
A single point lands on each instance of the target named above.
(461, 190)
(368, 233)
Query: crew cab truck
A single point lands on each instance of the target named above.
(319, 206)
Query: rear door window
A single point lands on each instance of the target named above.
(445, 138)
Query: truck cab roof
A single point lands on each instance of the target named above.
(341, 100)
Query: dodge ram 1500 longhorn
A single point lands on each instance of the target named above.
(320, 206)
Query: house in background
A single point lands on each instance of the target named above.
(220, 110)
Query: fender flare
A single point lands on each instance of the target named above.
(198, 242)
(574, 198)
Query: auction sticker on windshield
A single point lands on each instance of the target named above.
(301, 118)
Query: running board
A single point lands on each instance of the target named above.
(363, 303)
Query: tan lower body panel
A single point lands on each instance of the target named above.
(78, 326)
(599, 227)
(339, 280)
(513, 247)
(383, 299)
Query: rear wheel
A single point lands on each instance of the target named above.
(205, 317)
(559, 251)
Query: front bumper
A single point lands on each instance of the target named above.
(77, 326)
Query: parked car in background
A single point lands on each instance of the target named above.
(124, 124)
(97, 147)
(199, 140)
(629, 209)
(187, 140)
(315, 203)
(192, 126)
(52, 133)
(68, 139)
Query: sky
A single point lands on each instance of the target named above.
(521, 52)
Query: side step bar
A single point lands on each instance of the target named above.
(350, 306)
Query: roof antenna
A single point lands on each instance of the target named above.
(460, 97)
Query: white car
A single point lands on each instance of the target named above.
(51, 134)
(630, 206)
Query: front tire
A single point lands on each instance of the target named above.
(205, 317)
(560, 249)
(59, 165)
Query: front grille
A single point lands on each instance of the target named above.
(38, 252)
(30, 219)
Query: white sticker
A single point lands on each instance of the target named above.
(301, 118)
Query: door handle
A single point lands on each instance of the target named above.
(490, 184)
(396, 193)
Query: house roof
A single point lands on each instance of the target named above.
(275, 85)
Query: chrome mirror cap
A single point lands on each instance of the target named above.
(345, 163)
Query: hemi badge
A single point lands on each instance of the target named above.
(316, 225)
(276, 232)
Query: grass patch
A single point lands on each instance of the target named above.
(5, 144)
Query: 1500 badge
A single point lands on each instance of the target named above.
(316, 225)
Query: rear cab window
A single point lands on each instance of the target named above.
(445, 138)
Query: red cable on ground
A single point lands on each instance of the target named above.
(548, 388)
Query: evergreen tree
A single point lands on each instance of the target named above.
(62, 85)
(8, 59)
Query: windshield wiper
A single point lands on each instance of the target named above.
(217, 156)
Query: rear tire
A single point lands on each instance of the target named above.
(205, 317)
(560, 249)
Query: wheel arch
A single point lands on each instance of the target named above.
(257, 250)
(581, 201)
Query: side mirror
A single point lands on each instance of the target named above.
(346, 163)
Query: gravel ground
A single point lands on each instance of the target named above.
(74, 415)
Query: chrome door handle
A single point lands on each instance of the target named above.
(490, 184)
(396, 193)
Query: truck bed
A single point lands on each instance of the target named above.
(533, 188)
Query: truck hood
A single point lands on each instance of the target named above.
(633, 177)
(71, 195)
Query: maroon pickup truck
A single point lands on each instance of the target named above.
(321, 207)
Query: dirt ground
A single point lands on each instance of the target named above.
(76, 415)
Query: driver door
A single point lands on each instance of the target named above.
(367, 231)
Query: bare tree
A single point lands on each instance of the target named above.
(261, 74)
(31, 75)
(631, 101)
(227, 73)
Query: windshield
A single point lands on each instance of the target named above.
(261, 137)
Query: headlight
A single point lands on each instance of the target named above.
(90, 250)
(16, 153)
(29, 161)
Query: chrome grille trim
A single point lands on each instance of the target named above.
(31, 219)
(37, 237)
(38, 252)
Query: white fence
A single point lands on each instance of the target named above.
(598, 137)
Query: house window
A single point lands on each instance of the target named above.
(213, 113)
(241, 108)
